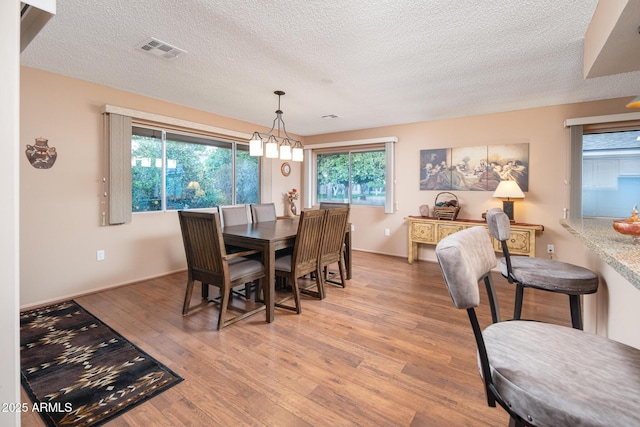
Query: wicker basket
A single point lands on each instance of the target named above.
(446, 212)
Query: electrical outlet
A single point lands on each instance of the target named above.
(387, 232)
(551, 249)
(100, 255)
(353, 227)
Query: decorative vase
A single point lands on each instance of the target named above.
(40, 155)
(292, 208)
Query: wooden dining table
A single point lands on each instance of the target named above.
(269, 237)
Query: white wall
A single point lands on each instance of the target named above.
(9, 209)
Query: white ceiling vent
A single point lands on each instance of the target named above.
(161, 49)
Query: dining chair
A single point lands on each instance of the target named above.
(209, 263)
(332, 249)
(335, 205)
(263, 212)
(539, 273)
(542, 374)
(304, 259)
(231, 215)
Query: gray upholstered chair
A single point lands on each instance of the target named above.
(540, 273)
(209, 263)
(231, 215)
(263, 212)
(541, 374)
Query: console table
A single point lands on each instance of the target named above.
(430, 231)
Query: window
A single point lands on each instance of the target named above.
(356, 177)
(610, 173)
(172, 171)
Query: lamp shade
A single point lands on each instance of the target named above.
(271, 148)
(255, 145)
(508, 190)
(635, 103)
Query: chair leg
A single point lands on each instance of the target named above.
(224, 303)
(517, 309)
(296, 294)
(187, 296)
(514, 422)
(576, 314)
(343, 273)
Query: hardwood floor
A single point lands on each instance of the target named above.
(388, 350)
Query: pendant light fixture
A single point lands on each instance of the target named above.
(635, 103)
(273, 145)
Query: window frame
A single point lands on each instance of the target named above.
(169, 135)
(577, 128)
(115, 208)
(387, 144)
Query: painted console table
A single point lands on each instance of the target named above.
(430, 231)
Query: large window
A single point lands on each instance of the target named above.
(610, 173)
(173, 171)
(356, 177)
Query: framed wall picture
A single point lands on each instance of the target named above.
(285, 169)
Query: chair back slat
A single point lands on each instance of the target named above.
(203, 241)
(308, 241)
(333, 236)
(336, 205)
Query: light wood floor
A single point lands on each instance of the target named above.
(389, 350)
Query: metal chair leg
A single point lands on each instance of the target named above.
(517, 309)
(576, 313)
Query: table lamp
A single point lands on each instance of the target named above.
(509, 190)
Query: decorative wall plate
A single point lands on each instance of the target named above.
(285, 169)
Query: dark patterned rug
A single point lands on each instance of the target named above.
(80, 372)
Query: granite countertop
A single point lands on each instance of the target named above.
(617, 250)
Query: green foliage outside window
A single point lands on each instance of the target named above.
(198, 175)
(357, 177)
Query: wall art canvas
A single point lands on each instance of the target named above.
(511, 162)
(434, 165)
(479, 168)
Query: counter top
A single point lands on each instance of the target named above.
(617, 250)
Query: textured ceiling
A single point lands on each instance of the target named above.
(373, 63)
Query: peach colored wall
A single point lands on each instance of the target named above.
(548, 142)
(60, 207)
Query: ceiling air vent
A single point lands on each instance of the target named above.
(161, 49)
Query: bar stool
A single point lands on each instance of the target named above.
(539, 273)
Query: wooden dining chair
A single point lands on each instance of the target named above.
(209, 264)
(542, 374)
(263, 212)
(304, 259)
(539, 273)
(332, 249)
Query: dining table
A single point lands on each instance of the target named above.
(269, 237)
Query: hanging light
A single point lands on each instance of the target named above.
(635, 103)
(276, 146)
(297, 152)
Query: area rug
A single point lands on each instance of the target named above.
(80, 372)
